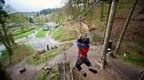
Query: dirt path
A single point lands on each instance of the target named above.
(29, 74)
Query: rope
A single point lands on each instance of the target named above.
(96, 2)
(142, 76)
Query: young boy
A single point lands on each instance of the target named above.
(83, 48)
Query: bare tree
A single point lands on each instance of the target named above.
(8, 8)
(125, 26)
(108, 31)
(3, 29)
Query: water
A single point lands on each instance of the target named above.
(2, 48)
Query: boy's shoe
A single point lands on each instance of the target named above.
(84, 73)
(93, 71)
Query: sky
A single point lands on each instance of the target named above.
(34, 5)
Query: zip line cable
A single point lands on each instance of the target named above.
(98, 2)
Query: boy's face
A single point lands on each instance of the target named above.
(83, 36)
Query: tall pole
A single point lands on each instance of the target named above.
(108, 31)
(125, 26)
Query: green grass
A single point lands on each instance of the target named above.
(41, 58)
(139, 60)
(42, 75)
(57, 33)
(61, 34)
(23, 34)
(41, 34)
(52, 75)
(132, 59)
(19, 53)
(20, 31)
(4, 57)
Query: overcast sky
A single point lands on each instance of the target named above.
(34, 5)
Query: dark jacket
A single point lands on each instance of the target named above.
(83, 47)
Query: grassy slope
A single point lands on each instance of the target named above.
(19, 53)
(41, 34)
(52, 75)
(20, 34)
(130, 45)
(62, 34)
(41, 58)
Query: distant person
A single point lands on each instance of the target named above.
(83, 48)
(48, 47)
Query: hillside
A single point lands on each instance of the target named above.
(134, 38)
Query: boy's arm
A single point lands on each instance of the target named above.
(79, 38)
(82, 45)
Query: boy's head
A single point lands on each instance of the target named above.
(86, 40)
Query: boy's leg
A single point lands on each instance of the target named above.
(88, 63)
(78, 66)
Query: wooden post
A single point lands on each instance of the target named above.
(108, 31)
(67, 71)
(61, 71)
(109, 8)
(76, 74)
(125, 26)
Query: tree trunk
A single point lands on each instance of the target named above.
(11, 38)
(10, 53)
(125, 27)
(5, 39)
(5, 34)
(3, 74)
(108, 31)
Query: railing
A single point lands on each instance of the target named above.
(141, 76)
